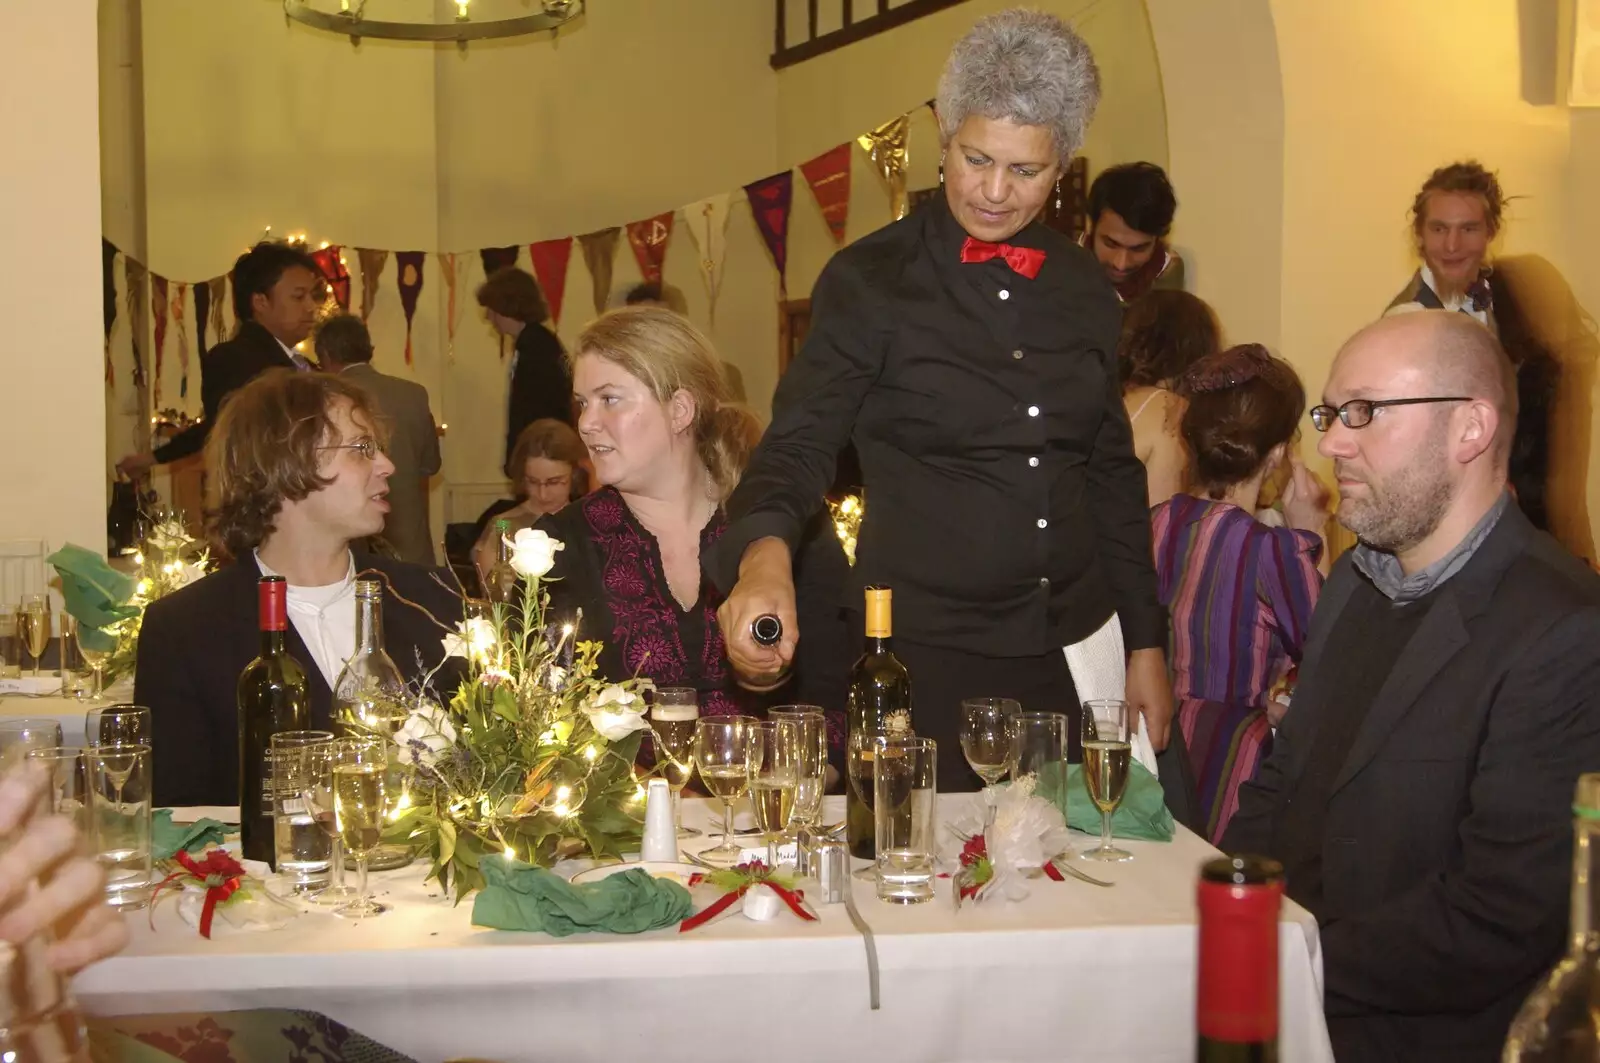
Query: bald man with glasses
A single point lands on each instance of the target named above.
(1419, 789)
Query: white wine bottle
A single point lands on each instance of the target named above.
(1558, 1023)
(369, 698)
(879, 704)
(501, 581)
(272, 698)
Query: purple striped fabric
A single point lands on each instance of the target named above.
(1240, 596)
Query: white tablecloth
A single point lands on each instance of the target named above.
(1072, 972)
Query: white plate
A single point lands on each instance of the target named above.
(678, 873)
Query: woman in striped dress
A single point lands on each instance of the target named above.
(1239, 593)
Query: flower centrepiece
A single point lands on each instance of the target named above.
(532, 756)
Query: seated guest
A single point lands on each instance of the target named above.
(344, 346)
(1419, 790)
(668, 447)
(1130, 214)
(1163, 334)
(548, 469)
(299, 473)
(1239, 593)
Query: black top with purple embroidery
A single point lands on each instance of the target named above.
(611, 568)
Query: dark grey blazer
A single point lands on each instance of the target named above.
(1448, 839)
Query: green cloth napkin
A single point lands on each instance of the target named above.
(93, 592)
(1142, 815)
(167, 837)
(518, 896)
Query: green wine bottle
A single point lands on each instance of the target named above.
(879, 705)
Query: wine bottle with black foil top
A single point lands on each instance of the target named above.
(1558, 1022)
(880, 704)
(1236, 1012)
(272, 698)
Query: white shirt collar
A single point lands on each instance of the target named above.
(325, 618)
(1460, 302)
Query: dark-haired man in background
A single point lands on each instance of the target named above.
(1130, 214)
(276, 293)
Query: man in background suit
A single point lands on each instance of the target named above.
(1419, 789)
(344, 346)
(276, 292)
(300, 475)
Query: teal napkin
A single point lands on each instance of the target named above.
(167, 837)
(518, 896)
(93, 592)
(1142, 815)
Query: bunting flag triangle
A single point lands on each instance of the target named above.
(219, 302)
(158, 307)
(829, 177)
(202, 315)
(108, 293)
(707, 222)
(447, 270)
(497, 258)
(770, 199)
(137, 277)
(372, 263)
(649, 241)
(550, 259)
(887, 147)
(331, 264)
(599, 250)
(179, 290)
(410, 265)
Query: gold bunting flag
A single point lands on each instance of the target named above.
(887, 147)
(372, 263)
(599, 249)
(707, 222)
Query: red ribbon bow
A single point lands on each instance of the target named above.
(756, 873)
(220, 873)
(1024, 260)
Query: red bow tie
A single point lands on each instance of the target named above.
(1025, 260)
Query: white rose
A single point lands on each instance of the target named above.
(616, 713)
(426, 734)
(533, 553)
(471, 637)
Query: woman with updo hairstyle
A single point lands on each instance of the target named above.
(667, 446)
(1239, 593)
(1163, 334)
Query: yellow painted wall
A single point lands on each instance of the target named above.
(53, 479)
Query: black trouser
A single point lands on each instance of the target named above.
(941, 678)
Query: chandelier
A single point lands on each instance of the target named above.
(351, 20)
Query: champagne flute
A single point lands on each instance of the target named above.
(774, 776)
(986, 725)
(673, 712)
(95, 658)
(1107, 750)
(358, 808)
(723, 749)
(319, 761)
(33, 627)
(812, 762)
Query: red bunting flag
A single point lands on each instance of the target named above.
(410, 263)
(649, 241)
(770, 199)
(829, 177)
(330, 263)
(158, 306)
(550, 258)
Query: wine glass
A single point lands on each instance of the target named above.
(1107, 749)
(724, 746)
(94, 657)
(986, 736)
(358, 809)
(33, 627)
(318, 761)
(774, 776)
(21, 736)
(122, 724)
(812, 762)
(673, 712)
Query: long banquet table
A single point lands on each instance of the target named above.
(1074, 971)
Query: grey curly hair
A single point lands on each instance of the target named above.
(1026, 67)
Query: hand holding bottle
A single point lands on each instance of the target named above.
(49, 850)
(765, 588)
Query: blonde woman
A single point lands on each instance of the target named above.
(667, 446)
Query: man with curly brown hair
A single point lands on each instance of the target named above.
(300, 477)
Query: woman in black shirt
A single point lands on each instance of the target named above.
(970, 354)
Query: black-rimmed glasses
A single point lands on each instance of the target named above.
(367, 448)
(1357, 413)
